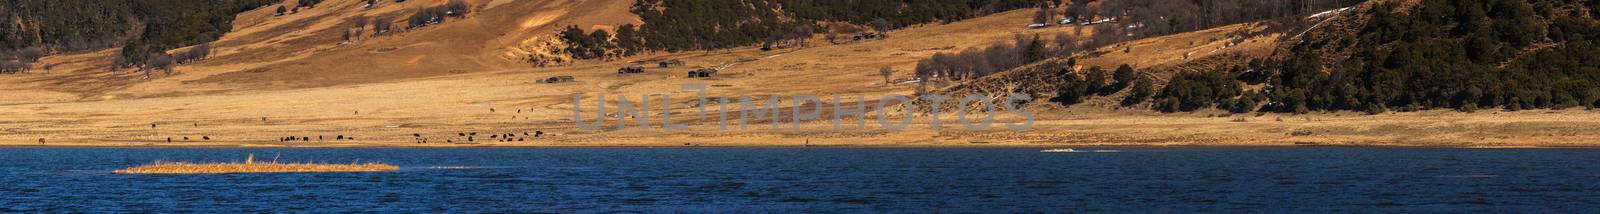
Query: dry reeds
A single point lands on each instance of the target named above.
(249, 166)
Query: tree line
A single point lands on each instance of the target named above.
(685, 25)
(1096, 82)
(972, 63)
(437, 14)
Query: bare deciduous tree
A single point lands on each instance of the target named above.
(886, 72)
(1043, 16)
(1065, 44)
(382, 25)
(882, 26)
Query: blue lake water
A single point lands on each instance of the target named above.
(745, 180)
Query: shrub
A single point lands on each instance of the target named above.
(382, 26)
(593, 45)
(1095, 80)
(1242, 104)
(1123, 76)
(307, 3)
(29, 55)
(161, 62)
(1072, 92)
(360, 21)
(1065, 44)
(426, 16)
(457, 8)
(1143, 88)
(886, 72)
(194, 54)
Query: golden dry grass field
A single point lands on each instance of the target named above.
(290, 76)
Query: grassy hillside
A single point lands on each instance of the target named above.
(685, 25)
(1390, 56)
(275, 76)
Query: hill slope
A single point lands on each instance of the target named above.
(266, 51)
(1374, 57)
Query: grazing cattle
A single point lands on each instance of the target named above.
(207, 138)
(340, 137)
(169, 140)
(185, 138)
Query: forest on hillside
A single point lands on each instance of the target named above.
(1451, 54)
(686, 25)
(1464, 55)
(141, 26)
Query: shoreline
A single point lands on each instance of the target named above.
(220, 146)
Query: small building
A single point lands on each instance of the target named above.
(702, 73)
